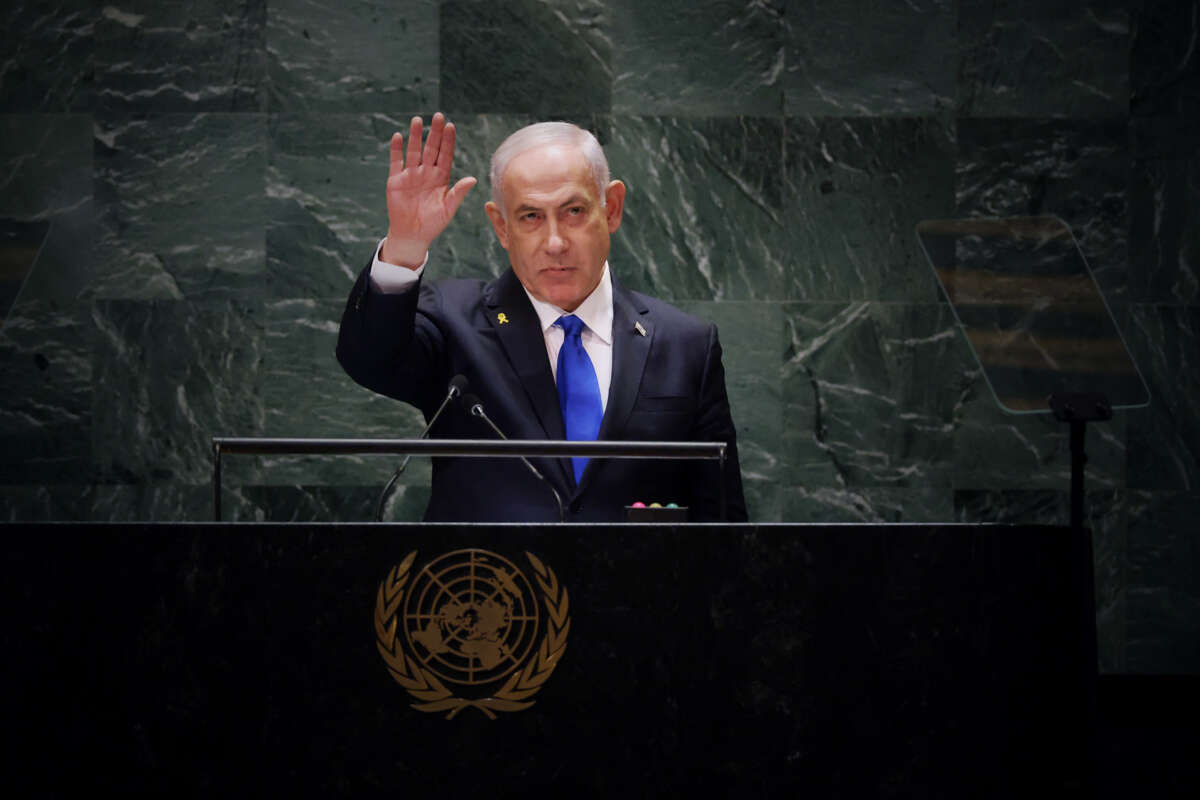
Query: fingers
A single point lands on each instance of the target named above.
(446, 155)
(413, 159)
(457, 194)
(396, 155)
(437, 154)
(434, 140)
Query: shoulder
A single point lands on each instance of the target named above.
(456, 290)
(453, 297)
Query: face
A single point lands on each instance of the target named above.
(553, 226)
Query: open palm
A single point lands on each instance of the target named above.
(420, 200)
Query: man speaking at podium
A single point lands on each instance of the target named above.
(554, 348)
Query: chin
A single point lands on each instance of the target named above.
(561, 295)
(565, 303)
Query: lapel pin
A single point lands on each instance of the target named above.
(502, 318)
(637, 326)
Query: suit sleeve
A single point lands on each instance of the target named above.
(392, 343)
(715, 424)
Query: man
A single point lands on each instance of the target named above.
(627, 367)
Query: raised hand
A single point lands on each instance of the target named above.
(420, 200)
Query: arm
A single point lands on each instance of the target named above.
(383, 342)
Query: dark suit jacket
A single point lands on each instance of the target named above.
(666, 385)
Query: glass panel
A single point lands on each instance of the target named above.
(1022, 293)
(20, 243)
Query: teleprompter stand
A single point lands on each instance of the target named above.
(1079, 409)
(1046, 342)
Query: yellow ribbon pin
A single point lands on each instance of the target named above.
(502, 318)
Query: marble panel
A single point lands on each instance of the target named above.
(682, 57)
(20, 247)
(870, 57)
(306, 394)
(168, 377)
(360, 55)
(1078, 171)
(1164, 438)
(808, 504)
(1043, 58)
(1164, 239)
(751, 338)
(46, 503)
(326, 504)
(856, 190)
(996, 450)
(872, 395)
(542, 57)
(62, 273)
(46, 205)
(209, 56)
(181, 207)
(325, 200)
(48, 67)
(1164, 72)
(1013, 506)
(46, 163)
(155, 503)
(1164, 583)
(46, 372)
(704, 209)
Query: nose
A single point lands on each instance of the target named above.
(556, 243)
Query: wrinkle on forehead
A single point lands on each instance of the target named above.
(548, 177)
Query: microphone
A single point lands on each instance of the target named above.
(458, 384)
(475, 407)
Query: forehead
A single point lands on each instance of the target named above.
(546, 174)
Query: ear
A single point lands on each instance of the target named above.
(498, 224)
(614, 205)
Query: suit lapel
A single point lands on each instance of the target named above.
(520, 334)
(632, 335)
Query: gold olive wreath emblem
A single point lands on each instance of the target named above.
(470, 618)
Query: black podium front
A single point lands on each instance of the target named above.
(350, 660)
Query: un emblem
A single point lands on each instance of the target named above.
(472, 619)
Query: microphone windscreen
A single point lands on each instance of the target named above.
(470, 402)
(458, 385)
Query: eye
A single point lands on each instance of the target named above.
(575, 211)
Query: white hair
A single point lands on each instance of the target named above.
(543, 134)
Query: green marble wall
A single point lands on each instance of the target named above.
(188, 189)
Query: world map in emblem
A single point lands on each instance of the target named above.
(470, 617)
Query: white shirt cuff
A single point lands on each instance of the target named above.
(392, 279)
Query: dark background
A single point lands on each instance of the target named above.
(205, 178)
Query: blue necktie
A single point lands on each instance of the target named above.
(578, 389)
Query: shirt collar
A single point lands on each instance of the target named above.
(596, 310)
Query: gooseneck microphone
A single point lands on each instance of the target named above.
(474, 407)
(458, 384)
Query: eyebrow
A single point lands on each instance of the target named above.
(573, 200)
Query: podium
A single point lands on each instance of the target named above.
(740, 660)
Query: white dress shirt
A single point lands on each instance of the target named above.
(596, 312)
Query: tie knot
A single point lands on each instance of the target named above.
(571, 324)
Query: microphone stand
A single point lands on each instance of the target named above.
(476, 408)
(457, 384)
